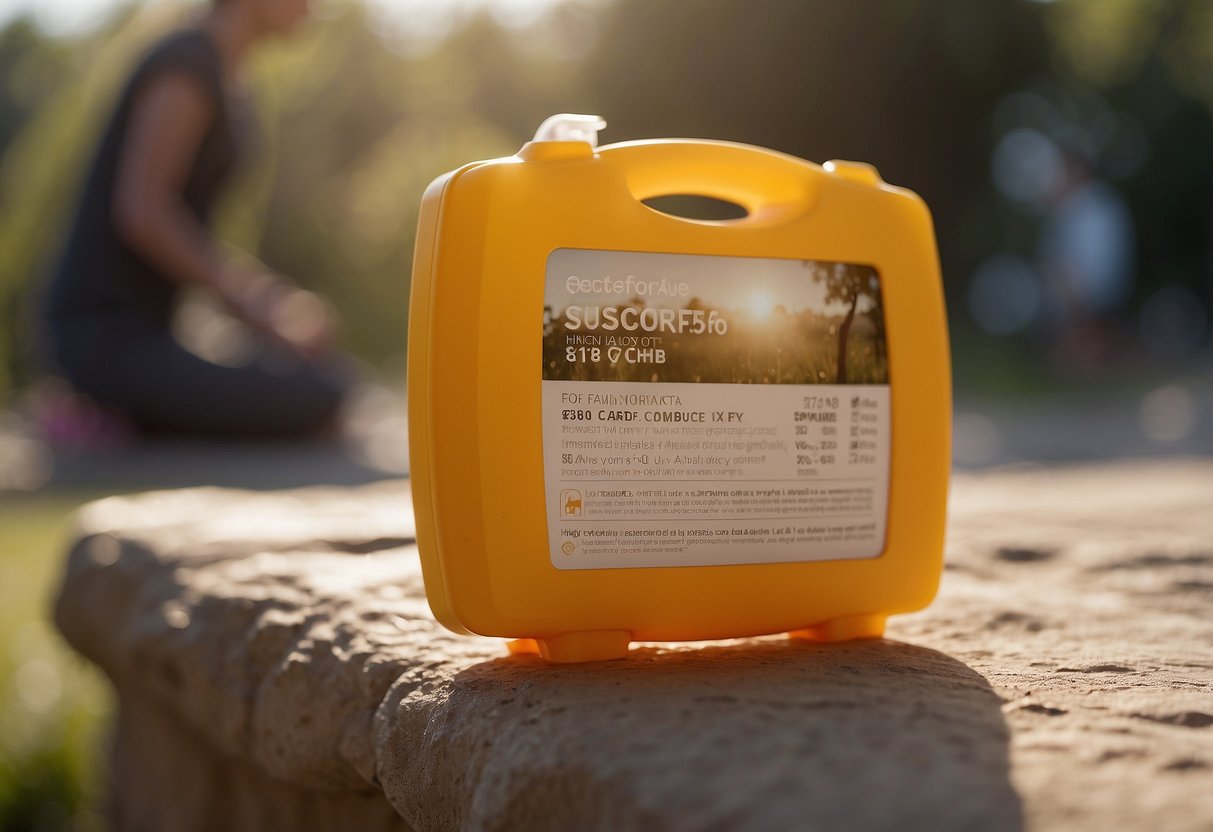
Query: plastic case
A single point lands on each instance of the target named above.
(481, 321)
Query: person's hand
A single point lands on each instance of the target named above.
(303, 320)
(266, 301)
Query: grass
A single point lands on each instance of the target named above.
(53, 706)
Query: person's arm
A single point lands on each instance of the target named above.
(167, 125)
(169, 119)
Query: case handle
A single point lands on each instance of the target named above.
(768, 184)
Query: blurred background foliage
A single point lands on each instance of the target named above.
(360, 112)
(968, 103)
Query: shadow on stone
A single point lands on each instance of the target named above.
(757, 735)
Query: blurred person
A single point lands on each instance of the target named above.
(1086, 254)
(140, 235)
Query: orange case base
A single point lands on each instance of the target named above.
(603, 645)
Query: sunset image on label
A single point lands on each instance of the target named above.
(619, 316)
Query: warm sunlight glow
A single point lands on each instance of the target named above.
(761, 304)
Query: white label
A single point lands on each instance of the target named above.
(696, 411)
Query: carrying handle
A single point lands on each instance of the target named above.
(771, 186)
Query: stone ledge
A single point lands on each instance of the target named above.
(277, 663)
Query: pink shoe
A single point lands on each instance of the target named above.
(73, 422)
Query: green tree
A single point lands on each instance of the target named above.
(847, 284)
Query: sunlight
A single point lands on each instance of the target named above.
(761, 304)
(75, 17)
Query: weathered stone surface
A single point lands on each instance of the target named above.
(172, 780)
(276, 662)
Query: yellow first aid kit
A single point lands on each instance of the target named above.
(627, 425)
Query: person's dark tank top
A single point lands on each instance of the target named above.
(98, 275)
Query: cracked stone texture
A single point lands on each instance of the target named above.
(277, 667)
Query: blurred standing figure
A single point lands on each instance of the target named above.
(141, 234)
(1087, 248)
